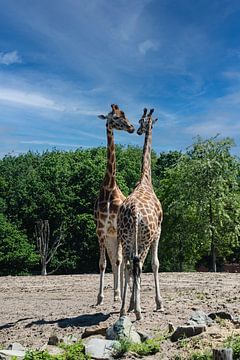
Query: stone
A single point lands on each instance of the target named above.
(100, 348)
(123, 328)
(187, 331)
(16, 346)
(171, 327)
(144, 336)
(8, 354)
(53, 340)
(94, 330)
(221, 314)
(199, 317)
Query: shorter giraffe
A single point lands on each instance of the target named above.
(139, 225)
(108, 202)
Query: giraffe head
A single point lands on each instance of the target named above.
(146, 122)
(116, 119)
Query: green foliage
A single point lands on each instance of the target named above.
(201, 356)
(72, 352)
(233, 342)
(148, 347)
(199, 191)
(202, 205)
(16, 254)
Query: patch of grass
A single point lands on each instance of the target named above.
(233, 342)
(72, 352)
(200, 356)
(195, 356)
(148, 347)
(122, 348)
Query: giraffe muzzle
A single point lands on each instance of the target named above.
(131, 130)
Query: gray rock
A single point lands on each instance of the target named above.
(221, 314)
(8, 354)
(16, 346)
(187, 331)
(199, 317)
(100, 348)
(53, 340)
(144, 336)
(123, 328)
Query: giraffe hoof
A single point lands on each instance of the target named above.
(99, 300)
(131, 308)
(123, 312)
(138, 315)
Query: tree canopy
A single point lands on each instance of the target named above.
(199, 190)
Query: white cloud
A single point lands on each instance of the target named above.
(28, 99)
(147, 45)
(213, 127)
(9, 58)
(50, 143)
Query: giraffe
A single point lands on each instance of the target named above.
(108, 202)
(139, 225)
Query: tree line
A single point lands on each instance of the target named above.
(199, 190)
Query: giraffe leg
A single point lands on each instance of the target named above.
(116, 277)
(118, 274)
(123, 310)
(136, 291)
(121, 278)
(102, 268)
(131, 306)
(155, 267)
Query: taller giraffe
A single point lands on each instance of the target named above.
(139, 225)
(108, 202)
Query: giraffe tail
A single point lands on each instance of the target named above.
(136, 259)
(136, 267)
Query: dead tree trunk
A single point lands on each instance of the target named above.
(222, 354)
(42, 235)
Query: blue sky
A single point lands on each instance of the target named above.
(63, 62)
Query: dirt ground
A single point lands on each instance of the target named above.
(34, 308)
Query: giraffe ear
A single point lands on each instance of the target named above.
(154, 121)
(103, 117)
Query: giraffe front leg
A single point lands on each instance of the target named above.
(155, 267)
(102, 268)
(116, 277)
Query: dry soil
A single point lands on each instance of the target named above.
(32, 308)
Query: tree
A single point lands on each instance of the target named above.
(17, 256)
(46, 251)
(202, 202)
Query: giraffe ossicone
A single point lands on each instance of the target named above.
(107, 205)
(139, 225)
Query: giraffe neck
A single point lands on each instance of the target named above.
(146, 158)
(110, 176)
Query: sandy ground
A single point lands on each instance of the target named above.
(34, 308)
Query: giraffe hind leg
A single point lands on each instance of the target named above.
(155, 267)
